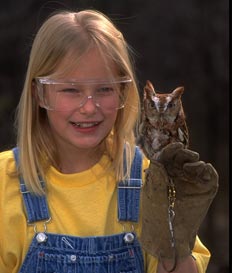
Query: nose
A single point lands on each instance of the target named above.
(88, 104)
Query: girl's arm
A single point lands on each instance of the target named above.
(186, 265)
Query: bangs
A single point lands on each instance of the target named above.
(70, 62)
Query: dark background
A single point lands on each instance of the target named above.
(182, 42)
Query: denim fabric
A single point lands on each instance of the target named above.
(36, 206)
(129, 191)
(68, 254)
(129, 200)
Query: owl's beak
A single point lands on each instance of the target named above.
(161, 110)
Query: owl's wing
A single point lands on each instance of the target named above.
(183, 134)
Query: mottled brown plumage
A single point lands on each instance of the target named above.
(163, 121)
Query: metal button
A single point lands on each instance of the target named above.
(41, 237)
(73, 258)
(129, 237)
(111, 257)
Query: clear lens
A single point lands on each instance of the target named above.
(60, 95)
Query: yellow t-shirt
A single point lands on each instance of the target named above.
(80, 204)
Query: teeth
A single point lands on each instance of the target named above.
(85, 125)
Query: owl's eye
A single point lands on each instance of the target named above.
(171, 104)
(152, 104)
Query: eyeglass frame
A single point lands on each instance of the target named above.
(49, 81)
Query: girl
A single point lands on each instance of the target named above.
(61, 207)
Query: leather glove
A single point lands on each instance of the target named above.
(170, 224)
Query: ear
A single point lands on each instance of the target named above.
(178, 92)
(34, 90)
(35, 94)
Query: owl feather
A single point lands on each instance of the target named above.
(163, 121)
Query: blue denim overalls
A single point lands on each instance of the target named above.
(56, 253)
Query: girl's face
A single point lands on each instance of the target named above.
(85, 126)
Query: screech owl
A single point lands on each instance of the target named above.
(163, 121)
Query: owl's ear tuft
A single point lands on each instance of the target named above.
(178, 92)
(149, 90)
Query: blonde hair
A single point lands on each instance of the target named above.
(64, 33)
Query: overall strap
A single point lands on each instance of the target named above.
(129, 191)
(36, 205)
